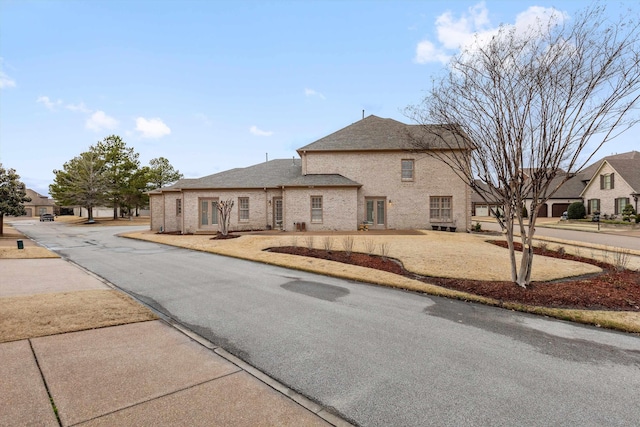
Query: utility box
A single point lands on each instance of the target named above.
(20, 244)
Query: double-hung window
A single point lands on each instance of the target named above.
(407, 169)
(243, 208)
(440, 208)
(316, 209)
(606, 181)
(620, 204)
(593, 206)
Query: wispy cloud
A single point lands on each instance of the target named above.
(99, 121)
(311, 92)
(152, 128)
(474, 26)
(48, 103)
(5, 80)
(258, 132)
(80, 108)
(203, 119)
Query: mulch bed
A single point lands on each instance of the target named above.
(609, 290)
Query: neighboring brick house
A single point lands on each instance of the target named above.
(605, 186)
(38, 205)
(366, 173)
(612, 183)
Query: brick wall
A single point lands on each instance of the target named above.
(607, 197)
(380, 176)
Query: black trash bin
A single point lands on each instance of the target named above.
(20, 244)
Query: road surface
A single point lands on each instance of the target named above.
(377, 356)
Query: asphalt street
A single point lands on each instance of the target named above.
(378, 356)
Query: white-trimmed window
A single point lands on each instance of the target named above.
(178, 207)
(440, 208)
(407, 169)
(316, 209)
(243, 208)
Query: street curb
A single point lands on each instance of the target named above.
(291, 394)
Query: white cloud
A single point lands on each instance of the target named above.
(474, 26)
(427, 52)
(311, 92)
(51, 105)
(99, 121)
(5, 80)
(254, 130)
(152, 128)
(80, 108)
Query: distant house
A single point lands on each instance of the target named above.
(38, 205)
(365, 174)
(612, 183)
(605, 186)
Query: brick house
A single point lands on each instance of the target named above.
(611, 184)
(38, 205)
(367, 173)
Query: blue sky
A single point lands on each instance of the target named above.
(214, 85)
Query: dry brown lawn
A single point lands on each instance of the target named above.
(39, 315)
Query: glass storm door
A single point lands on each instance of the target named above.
(376, 212)
(277, 212)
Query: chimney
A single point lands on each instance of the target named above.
(362, 114)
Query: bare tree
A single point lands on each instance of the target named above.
(224, 209)
(543, 100)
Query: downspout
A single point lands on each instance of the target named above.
(284, 217)
(182, 213)
(164, 214)
(266, 208)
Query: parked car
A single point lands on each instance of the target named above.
(47, 217)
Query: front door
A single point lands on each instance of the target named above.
(277, 213)
(376, 214)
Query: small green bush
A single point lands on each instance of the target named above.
(525, 213)
(628, 212)
(576, 210)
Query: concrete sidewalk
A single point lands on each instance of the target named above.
(144, 374)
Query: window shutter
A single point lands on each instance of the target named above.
(612, 186)
(602, 182)
(616, 206)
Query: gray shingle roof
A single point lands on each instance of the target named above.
(272, 174)
(627, 165)
(375, 133)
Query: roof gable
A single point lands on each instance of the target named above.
(626, 165)
(375, 133)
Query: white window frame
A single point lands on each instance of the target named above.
(243, 210)
(317, 213)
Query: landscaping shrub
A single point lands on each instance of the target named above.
(628, 212)
(576, 210)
